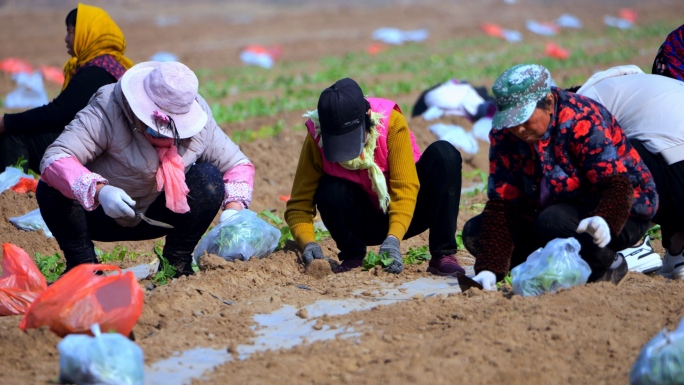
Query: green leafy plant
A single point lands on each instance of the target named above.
(119, 253)
(285, 232)
(50, 266)
(166, 271)
(508, 279)
(459, 240)
(416, 256)
(654, 232)
(21, 162)
(372, 259)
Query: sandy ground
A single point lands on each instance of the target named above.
(589, 334)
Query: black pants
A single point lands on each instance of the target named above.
(30, 146)
(354, 222)
(561, 221)
(75, 228)
(669, 180)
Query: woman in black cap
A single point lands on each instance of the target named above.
(361, 168)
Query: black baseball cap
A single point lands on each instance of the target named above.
(342, 114)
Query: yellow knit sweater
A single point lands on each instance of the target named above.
(403, 184)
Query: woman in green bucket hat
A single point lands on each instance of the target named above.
(560, 166)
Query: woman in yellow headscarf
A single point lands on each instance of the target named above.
(97, 47)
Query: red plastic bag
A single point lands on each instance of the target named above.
(53, 74)
(21, 281)
(81, 298)
(15, 65)
(556, 51)
(25, 185)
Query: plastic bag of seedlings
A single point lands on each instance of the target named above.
(558, 265)
(242, 236)
(109, 359)
(661, 360)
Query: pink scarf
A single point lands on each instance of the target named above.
(171, 174)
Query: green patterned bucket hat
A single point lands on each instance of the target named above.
(517, 92)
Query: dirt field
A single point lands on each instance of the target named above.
(585, 335)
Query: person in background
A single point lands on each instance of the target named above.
(560, 167)
(97, 47)
(147, 143)
(648, 108)
(361, 168)
(669, 60)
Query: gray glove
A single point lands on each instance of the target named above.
(311, 251)
(391, 247)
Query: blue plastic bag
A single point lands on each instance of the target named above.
(557, 265)
(661, 360)
(241, 237)
(106, 359)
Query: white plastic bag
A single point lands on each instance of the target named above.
(241, 237)
(456, 135)
(481, 129)
(9, 178)
(397, 36)
(661, 360)
(106, 359)
(29, 93)
(557, 265)
(31, 221)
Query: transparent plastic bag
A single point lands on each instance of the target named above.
(29, 93)
(661, 360)
(10, 177)
(557, 265)
(31, 221)
(241, 237)
(109, 359)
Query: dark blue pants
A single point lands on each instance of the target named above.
(75, 229)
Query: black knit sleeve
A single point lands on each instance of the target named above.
(495, 243)
(53, 116)
(615, 203)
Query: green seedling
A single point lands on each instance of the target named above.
(508, 279)
(285, 232)
(165, 273)
(654, 232)
(417, 256)
(21, 162)
(383, 259)
(459, 240)
(119, 253)
(50, 266)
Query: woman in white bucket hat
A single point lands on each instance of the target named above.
(147, 142)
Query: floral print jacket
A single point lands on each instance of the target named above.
(583, 157)
(582, 145)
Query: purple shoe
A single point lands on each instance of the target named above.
(348, 264)
(445, 266)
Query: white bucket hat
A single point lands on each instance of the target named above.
(159, 93)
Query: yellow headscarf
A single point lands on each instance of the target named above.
(96, 35)
(365, 161)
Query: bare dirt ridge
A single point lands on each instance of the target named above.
(589, 334)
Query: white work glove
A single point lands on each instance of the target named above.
(227, 214)
(487, 279)
(597, 228)
(115, 202)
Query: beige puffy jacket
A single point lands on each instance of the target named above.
(104, 139)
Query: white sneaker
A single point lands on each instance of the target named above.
(673, 266)
(641, 258)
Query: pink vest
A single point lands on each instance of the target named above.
(384, 107)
